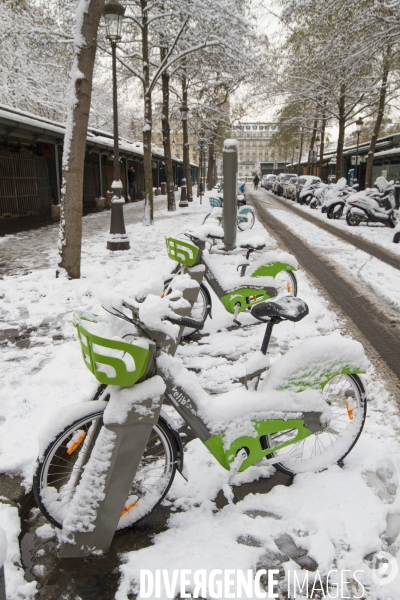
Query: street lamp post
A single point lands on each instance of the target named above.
(117, 240)
(186, 157)
(201, 148)
(297, 159)
(359, 124)
(174, 166)
(317, 142)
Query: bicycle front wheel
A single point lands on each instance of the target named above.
(246, 221)
(287, 283)
(58, 474)
(345, 395)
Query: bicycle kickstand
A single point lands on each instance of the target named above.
(237, 308)
(235, 466)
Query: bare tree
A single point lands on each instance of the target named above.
(88, 17)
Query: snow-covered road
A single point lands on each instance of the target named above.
(337, 519)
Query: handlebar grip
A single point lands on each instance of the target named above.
(186, 322)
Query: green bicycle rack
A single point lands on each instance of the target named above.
(182, 252)
(91, 346)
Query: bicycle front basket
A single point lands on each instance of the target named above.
(215, 202)
(112, 362)
(184, 253)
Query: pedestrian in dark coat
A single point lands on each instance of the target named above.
(256, 181)
(132, 182)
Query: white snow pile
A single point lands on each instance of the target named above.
(16, 585)
(211, 228)
(145, 396)
(224, 269)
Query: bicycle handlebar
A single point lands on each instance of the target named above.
(186, 322)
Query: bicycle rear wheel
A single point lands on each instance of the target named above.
(201, 308)
(345, 395)
(287, 283)
(59, 471)
(246, 221)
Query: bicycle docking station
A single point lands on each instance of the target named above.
(229, 209)
(100, 497)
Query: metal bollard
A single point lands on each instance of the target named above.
(229, 210)
(3, 554)
(2, 585)
(397, 194)
(183, 202)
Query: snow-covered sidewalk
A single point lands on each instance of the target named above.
(336, 519)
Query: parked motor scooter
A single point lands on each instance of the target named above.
(373, 206)
(319, 195)
(307, 193)
(336, 197)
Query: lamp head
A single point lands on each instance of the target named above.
(359, 124)
(113, 15)
(184, 112)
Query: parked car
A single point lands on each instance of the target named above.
(263, 180)
(304, 182)
(269, 181)
(277, 187)
(289, 188)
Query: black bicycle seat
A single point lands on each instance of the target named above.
(251, 246)
(289, 308)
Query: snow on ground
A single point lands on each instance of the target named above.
(332, 520)
(361, 268)
(375, 233)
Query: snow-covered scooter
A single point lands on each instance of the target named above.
(373, 207)
(335, 198)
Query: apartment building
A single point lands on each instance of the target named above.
(253, 146)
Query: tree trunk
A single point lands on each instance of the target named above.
(342, 127)
(378, 121)
(211, 163)
(322, 147)
(148, 217)
(166, 131)
(185, 138)
(70, 236)
(312, 142)
(300, 151)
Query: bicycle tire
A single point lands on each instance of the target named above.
(351, 387)
(201, 308)
(249, 223)
(56, 461)
(288, 279)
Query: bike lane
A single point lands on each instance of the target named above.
(384, 249)
(374, 312)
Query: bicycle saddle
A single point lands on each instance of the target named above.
(289, 308)
(251, 246)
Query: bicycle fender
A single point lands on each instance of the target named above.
(313, 363)
(172, 427)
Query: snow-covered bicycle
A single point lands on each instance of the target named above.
(237, 283)
(305, 412)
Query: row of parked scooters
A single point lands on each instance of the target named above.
(337, 200)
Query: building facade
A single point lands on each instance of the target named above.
(254, 146)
